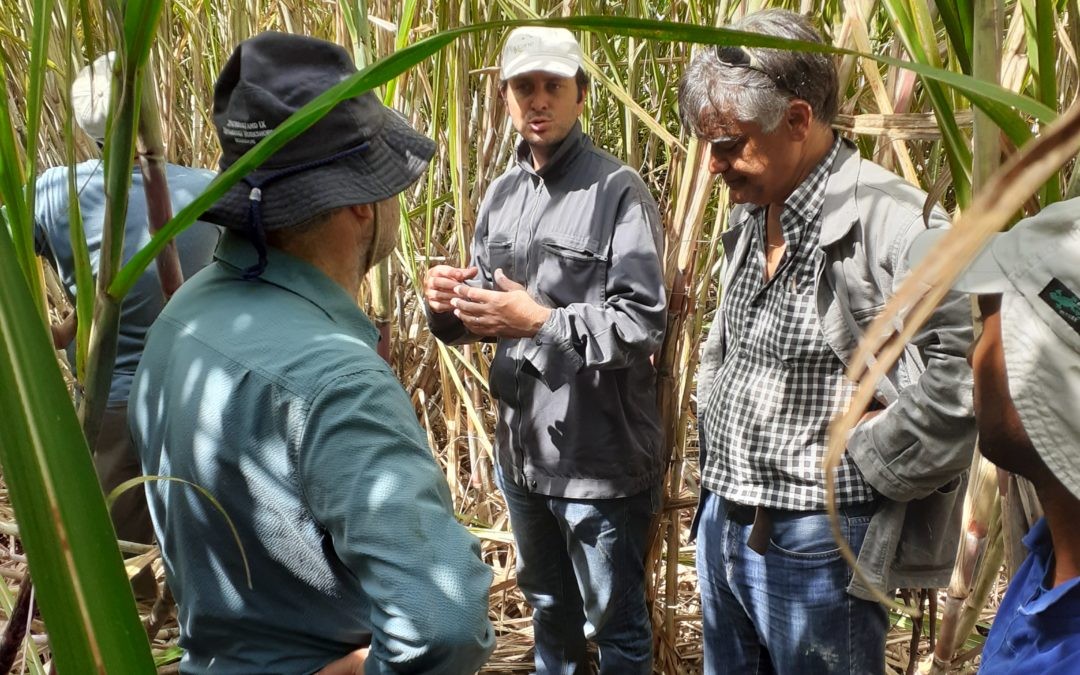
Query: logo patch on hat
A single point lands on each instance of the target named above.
(1063, 301)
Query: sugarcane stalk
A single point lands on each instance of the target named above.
(683, 235)
(151, 156)
(378, 277)
(982, 508)
(1020, 509)
(986, 577)
(135, 132)
(982, 505)
(1013, 522)
(15, 630)
(125, 96)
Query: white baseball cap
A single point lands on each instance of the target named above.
(538, 48)
(1035, 267)
(90, 96)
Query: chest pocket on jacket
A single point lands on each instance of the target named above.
(501, 256)
(571, 269)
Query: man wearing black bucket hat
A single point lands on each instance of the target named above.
(260, 383)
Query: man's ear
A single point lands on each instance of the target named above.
(363, 212)
(799, 119)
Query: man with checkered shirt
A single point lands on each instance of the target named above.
(816, 247)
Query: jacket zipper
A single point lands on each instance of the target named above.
(520, 355)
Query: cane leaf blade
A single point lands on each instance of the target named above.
(84, 596)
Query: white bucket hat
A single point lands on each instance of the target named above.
(90, 96)
(538, 48)
(1035, 266)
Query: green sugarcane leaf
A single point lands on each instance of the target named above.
(170, 654)
(12, 182)
(137, 481)
(958, 19)
(913, 25)
(374, 75)
(980, 93)
(85, 597)
(408, 16)
(39, 41)
(1045, 38)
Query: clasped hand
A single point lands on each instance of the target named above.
(508, 311)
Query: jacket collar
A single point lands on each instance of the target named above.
(235, 254)
(839, 210)
(574, 143)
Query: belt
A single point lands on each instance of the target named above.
(761, 518)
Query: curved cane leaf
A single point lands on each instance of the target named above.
(994, 99)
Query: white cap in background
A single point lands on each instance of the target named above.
(538, 48)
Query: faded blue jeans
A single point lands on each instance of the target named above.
(787, 611)
(581, 566)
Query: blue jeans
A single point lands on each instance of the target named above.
(581, 566)
(787, 611)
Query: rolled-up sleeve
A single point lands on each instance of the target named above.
(372, 483)
(629, 324)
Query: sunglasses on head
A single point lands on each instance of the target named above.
(734, 56)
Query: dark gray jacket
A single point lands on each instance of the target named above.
(577, 403)
(915, 453)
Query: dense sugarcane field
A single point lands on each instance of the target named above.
(941, 93)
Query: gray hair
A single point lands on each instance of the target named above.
(760, 90)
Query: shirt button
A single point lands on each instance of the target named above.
(538, 341)
(532, 484)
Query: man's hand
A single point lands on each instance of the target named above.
(440, 282)
(350, 664)
(869, 415)
(508, 312)
(64, 332)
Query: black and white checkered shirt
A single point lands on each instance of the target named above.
(780, 383)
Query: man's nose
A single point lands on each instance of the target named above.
(718, 163)
(540, 100)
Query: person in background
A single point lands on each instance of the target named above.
(816, 247)
(260, 383)
(1026, 364)
(114, 455)
(566, 277)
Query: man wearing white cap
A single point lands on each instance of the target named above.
(114, 455)
(1027, 404)
(566, 276)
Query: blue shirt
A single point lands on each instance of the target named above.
(270, 395)
(52, 238)
(1037, 628)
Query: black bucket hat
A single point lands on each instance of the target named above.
(361, 152)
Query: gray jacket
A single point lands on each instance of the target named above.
(915, 453)
(578, 416)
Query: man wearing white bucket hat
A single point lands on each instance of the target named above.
(566, 275)
(1027, 404)
(114, 455)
